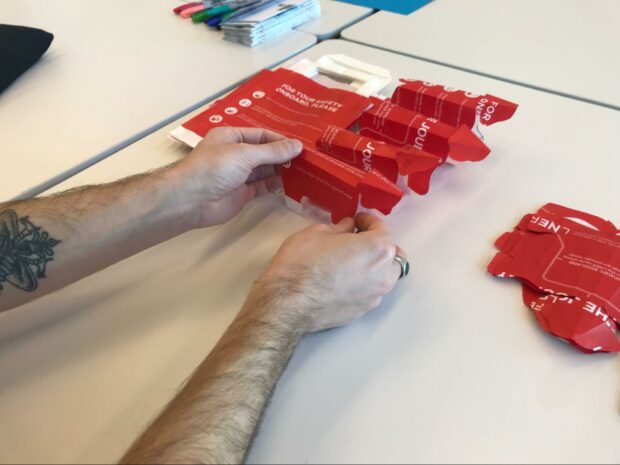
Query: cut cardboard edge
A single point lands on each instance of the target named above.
(185, 136)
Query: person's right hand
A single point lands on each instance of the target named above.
(329, 275)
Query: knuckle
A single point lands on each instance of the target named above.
(384, 247)
(218, 131)
(386, 285)
(320, 228)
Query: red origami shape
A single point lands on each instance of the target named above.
(452, 106)
(337, 186)
(367, 154)
(400, 126)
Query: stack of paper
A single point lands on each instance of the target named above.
(272, 19)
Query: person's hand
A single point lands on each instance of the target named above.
(328, 275)
(229, 167)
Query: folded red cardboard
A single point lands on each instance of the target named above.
(337, 186)
(397, 125)
(574, 258)
(280, 100)
(582, 324)
(367, 154)
(561, 256)
(298, 107)
(451, 105)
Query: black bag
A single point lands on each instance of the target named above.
(20, 48)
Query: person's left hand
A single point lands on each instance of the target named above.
(229, 167)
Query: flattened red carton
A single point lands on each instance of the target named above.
(298, 107)
(582, 324)
(399, 126)
(280, 100)
(337, 186)
(452, 106)
(569, 264)
(367, 154)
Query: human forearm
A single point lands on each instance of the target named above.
(89, 229)
(322, 277)
(47, 243)
(214, 417)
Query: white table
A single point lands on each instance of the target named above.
(116, 70)
(452, 367)
(569, 47)
(335, 16)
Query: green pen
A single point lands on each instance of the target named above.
(218, 11)
(230, 7)
(200, 16)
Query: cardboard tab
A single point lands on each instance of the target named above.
(400, 126)
(452, 106)
(367, 154)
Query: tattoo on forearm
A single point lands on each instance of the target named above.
(25, 251)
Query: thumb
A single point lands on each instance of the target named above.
(272, 153)
(345, 225)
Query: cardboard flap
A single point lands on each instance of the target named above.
(465, 146)
(378, 192)
(411, 160)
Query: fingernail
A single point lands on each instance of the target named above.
(295, 145)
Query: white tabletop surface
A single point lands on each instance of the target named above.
(565, 46)
(335, 16)
(451, 368)
(114, 69)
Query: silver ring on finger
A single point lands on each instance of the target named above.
(404, 266)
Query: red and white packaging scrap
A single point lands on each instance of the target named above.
(355, 169)
(569, 264)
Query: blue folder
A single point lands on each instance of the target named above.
(404, 7)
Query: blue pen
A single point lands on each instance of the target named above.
(214, 21)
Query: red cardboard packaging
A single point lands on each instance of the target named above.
(283, 101)
(337, 186)
(367, 154)
(400, 126)
(300, 108)
(582, 324)
(569, 263)
(563, 258)
(452, 106)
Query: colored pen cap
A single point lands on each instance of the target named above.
(190, 11)
(185, 6)
(201, 16)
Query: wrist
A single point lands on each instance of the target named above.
(276, 301)
(177, 199)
